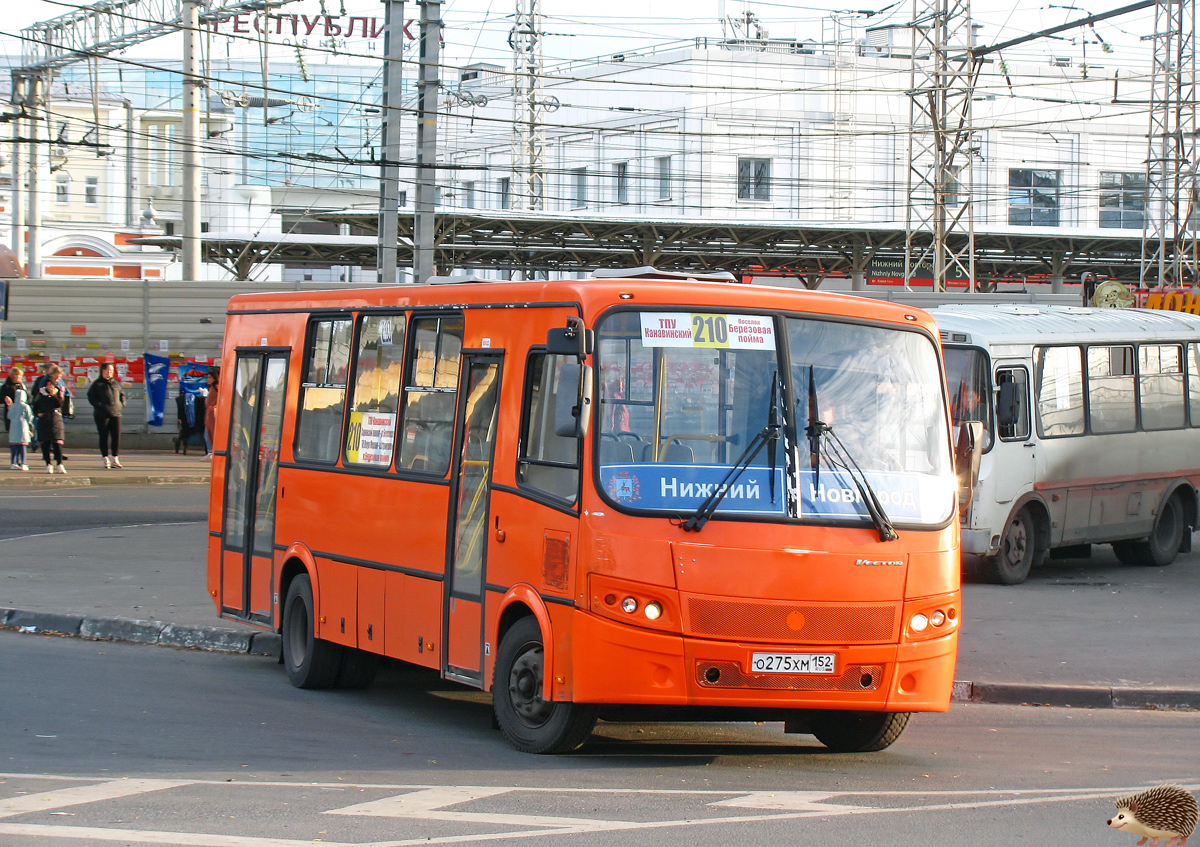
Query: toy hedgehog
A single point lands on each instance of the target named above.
(1165, 811)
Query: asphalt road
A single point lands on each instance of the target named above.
(32, 511)
(113, 743)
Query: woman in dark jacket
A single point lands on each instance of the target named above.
(47, 405)
(107, 400)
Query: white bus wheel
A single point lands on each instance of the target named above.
(1165, 539)
(1018, 547)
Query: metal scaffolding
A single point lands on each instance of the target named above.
(529, 106)
(940, 224)
(1169, 245)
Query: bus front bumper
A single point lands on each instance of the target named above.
(979, 542)
(617, 663)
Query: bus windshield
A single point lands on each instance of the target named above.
(683, 394)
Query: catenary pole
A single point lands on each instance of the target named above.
(429, 81)
(389, 176)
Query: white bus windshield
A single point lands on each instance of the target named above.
(682, 395)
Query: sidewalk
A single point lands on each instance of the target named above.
(85, 467)
(1082, 633)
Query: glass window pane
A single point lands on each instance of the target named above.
(1111, 406)
(377, 378)
(479, 439)
(1194, 383)
(1060, 391)
(431, 397)
(1161, 386)
(242, 439)
(549, 462)
(270, 429)
(323, 391)
(967, 379)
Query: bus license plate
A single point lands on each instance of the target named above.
(792, 663)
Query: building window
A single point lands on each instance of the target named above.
(662, 168)
(1033, 197)
(468, 195)
(621, 182)
(579, 196)
(91, 191)
(754, 179)
(160, 167)
(1122, 200)
(505, 192)
(402, 200)
(62, 190)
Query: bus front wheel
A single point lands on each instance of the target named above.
(529, 722)
(1018, 546)
(858, 732)
(309, 661)
(1164, 542)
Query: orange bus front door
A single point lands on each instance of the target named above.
(466, 560)
(251, 477)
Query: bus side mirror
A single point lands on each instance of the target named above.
(966, 460)
(1007, 411)
(571, 340)
(573, 401)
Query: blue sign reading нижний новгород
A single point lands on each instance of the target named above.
(684, 487)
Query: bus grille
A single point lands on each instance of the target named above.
(764, 621)
(730, 675)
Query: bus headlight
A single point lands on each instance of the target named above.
(629, 605)
(937, 618)
(653, 611)
(918, 623)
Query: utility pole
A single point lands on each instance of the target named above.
(35, 95)
(18, 185)
(529, 106)
(192, 83)
(428, 82)
(389, 176)
(1169, 250)
(941, 144)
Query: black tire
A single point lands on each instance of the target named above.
(1018, 548)
(310, 662)
(1165, 541)
(357, 669)
(530, 723)
(858, 732)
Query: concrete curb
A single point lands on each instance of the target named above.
(216, 639)
(1076, 696)
(257, 643)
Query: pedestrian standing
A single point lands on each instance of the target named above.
(107, 400)
(19, 417)
(14, 380)
(48, 406)
(213, 378)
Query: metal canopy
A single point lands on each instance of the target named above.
(563, 243)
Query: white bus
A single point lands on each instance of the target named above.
(1091, 431)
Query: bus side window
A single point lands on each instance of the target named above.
(547, 461)
(1060, 391)
(431, 395)
(323, 391)
(1012, 404)
(1193, 357)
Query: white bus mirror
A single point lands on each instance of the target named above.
(573, 401)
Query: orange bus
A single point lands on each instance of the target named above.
(638, 497)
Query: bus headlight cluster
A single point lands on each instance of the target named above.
(629, 605)
(921, 621)
(652, 610)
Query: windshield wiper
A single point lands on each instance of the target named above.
(818, 431)
(768, 435)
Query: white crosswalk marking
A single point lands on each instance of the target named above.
(430, 805)
(26, 803)
(787, 801)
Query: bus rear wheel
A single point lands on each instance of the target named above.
(309, 661)
(1018, 547)
(858, 732)
(529, 722)
(1164, 542)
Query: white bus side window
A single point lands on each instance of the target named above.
(1160, 384)
(1194, 382)
(1059, 391)
(1012, 404)
(1112, 406)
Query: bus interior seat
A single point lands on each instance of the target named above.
(616, 452)
(679, 454)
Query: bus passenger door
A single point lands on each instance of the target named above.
(467, 542)
(251, 476)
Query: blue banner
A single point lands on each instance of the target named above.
(682, 488)
(192, 378)
(158, 369)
